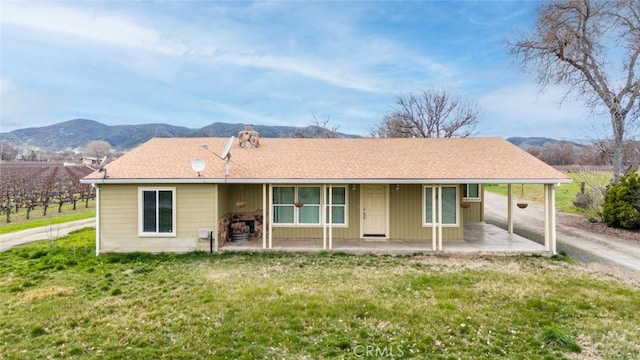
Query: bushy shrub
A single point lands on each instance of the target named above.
(583, 201)
(621, 206)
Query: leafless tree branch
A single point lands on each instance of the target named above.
(575, 43)
(431, 114)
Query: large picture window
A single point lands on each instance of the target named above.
(302, 205)
(449, 205)
(157, 211)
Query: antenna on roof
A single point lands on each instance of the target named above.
(101, 167)
(226, 154)
(197, 165)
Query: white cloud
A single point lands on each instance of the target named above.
(524, 111)
(87, 25)
(17, 103)
(343, 57)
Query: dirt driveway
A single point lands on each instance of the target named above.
(573, 239)
(10, 240)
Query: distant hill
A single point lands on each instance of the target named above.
(75, 134)
(527, 142)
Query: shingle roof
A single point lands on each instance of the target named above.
(329, 160)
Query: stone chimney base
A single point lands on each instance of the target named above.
(248, 138)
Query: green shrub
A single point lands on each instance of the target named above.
(554, 336)
(621, 206)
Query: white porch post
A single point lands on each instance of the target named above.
(265, 225)
(510, 208)
(324, 219)
(270, 245)
(330, 217)
(434, 231)
(440, 218)
(550, 218)
(552, 190)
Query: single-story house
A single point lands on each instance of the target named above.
(186, 194)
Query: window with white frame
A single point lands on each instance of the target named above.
(338, 206)
(309, 198)
(471, 191)
(284, 198)
(302, 204)
(157, 211)
(449, 205)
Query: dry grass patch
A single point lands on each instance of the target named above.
(39, 293)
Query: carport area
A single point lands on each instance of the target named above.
(479, 238)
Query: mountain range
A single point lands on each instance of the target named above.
(77, 133)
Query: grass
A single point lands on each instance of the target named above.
(565, 194)
(19, 220)
(63, 302)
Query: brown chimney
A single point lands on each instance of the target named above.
(248, 138)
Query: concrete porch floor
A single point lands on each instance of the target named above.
(479, 238)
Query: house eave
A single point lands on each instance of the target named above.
(202, 180)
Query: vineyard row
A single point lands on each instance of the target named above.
(27, 186)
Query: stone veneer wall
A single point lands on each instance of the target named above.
(224, 225)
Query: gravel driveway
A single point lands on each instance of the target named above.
(575, 241)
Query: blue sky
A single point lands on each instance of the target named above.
(192, 63)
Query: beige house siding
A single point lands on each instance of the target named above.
(405, 207)
(199, 206)
(405, 211)
(119, 213)
(224, 207)
(473, 213)
(251, 194)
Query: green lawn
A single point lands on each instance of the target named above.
(64, 302)
(565, 194)
(19, 220)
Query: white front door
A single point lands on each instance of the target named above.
(374, 210)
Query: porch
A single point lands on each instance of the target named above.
(479, 238)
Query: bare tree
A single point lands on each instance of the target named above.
(431, 114)
(97, 149)
(8, 152)
(318, 129)
(580, 44)
(561, 153)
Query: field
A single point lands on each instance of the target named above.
(63, 302)
(565, 194)
(19, 221)
(42, 193)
